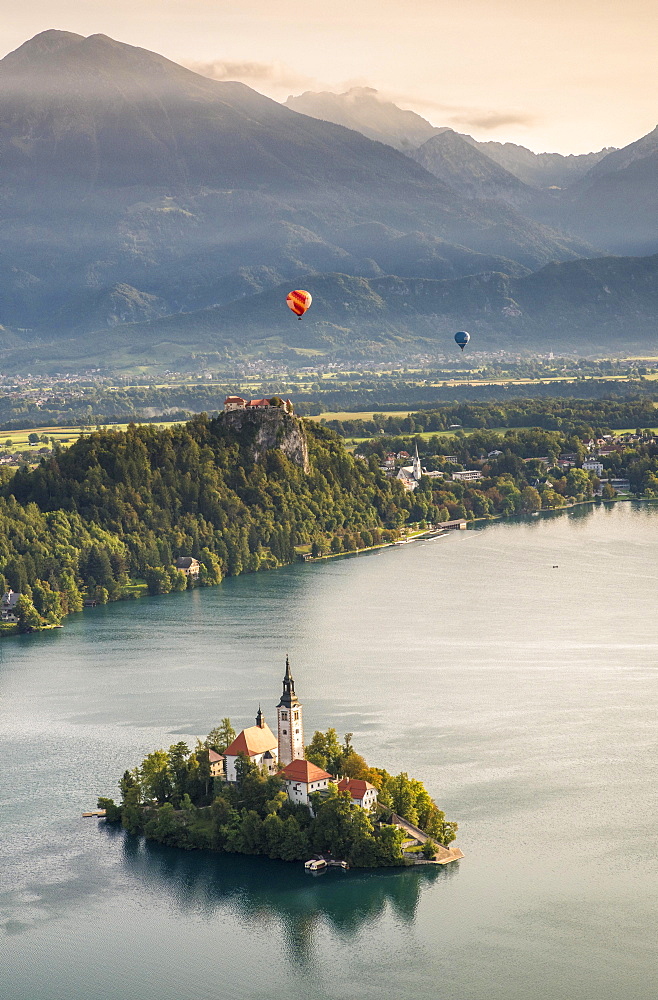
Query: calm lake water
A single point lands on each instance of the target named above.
(524, 696)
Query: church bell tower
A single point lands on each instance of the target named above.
(289, 714)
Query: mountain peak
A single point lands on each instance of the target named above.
(45, 43)
(365, 110)
(459, 162)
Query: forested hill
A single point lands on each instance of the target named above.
(120, 506)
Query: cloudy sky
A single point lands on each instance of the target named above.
(557, 75)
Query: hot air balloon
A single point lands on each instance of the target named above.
(299, 301)
(462, 338)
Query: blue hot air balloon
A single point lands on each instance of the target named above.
(462, 338)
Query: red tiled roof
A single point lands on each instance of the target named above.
(303, 770)
(357, 787)
(235, 399)
(258, 402)
(252, 741)
(214, 757)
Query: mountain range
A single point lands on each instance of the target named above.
(145, 200)
(608, 198)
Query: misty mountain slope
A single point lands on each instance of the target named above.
(619, 159)
(620, 210)
(362, 109)
(461, 165)
(616, 202)
(121, 169)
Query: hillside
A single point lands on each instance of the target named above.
(603, 303)
(133, 188)
(123, 505)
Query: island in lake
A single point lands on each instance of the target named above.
(257, 793)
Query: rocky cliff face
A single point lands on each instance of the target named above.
(264, 429)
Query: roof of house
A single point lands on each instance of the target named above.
(234, 399)
(184, 562)
(303, 770)
(215, 757)
(258, 402)
(252, 742)
(357, 787)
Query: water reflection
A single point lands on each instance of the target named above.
(257, 891)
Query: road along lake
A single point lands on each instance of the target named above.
(513, 669)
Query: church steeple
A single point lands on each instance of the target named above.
(289, 714)
(418, 471)
(260, 719)
(288, 697)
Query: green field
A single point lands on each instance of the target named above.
(62, 435)
(360, 415)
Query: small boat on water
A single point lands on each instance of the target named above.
(320, 864)
(315, 865)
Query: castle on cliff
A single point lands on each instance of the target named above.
(238, 403)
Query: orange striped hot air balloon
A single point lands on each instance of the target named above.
(299, 301)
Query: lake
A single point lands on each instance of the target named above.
(513, 668)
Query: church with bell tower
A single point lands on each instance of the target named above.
(289, 715)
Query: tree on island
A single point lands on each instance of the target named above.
(219, 738)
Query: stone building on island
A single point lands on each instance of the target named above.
(258, 743)
(302, 778)
(363, 793)
(284, 754)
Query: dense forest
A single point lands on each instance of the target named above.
(122, 506)
(110, 516)
(584, 417)
(171, 797)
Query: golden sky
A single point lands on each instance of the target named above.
(556, 75)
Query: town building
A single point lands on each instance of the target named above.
(591, 465)
(258, 743)
(290, 728)
(363, 793)
(467, 475)
(301, 779)
(189, 566)
(8, 607)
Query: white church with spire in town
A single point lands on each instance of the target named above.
(410, 475)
